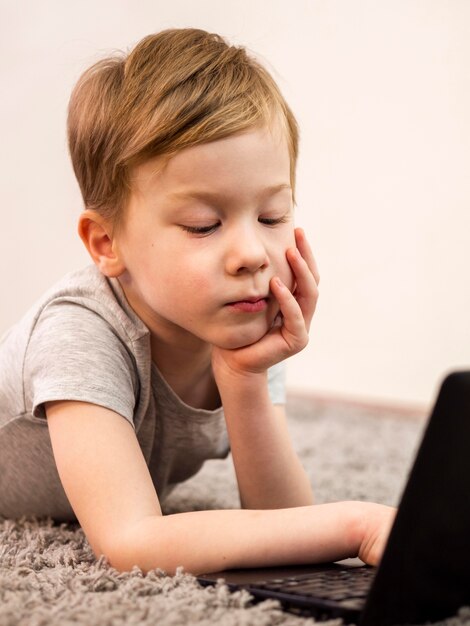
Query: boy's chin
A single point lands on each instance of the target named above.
(243, 337)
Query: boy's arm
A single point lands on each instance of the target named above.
(269, 473)
(108, 484)
(210, 541)
(101, 468)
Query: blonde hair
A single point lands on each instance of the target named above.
(175, 89)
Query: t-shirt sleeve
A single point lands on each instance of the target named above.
(277, 383)
(75, 354)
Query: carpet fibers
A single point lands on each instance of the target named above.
(49, 575)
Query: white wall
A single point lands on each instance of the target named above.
(381, 91)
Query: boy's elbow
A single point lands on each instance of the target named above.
(145, 545)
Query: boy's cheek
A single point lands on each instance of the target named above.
(291, 281)
(285, 271)
(286, 275)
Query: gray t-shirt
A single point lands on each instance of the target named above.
(82, 341)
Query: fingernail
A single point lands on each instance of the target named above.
(279, 283)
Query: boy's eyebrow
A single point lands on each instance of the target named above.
(213, 195)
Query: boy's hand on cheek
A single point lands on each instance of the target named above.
(289, 333)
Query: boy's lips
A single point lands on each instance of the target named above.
(252, 304)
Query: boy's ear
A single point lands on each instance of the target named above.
(96, 234)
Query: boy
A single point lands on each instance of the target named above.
(168, 350)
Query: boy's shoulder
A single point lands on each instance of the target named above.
(79, 341)
(78, 295)
(85, 283)
(92, 291)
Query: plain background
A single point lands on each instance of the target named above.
(382, 95)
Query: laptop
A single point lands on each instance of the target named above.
(424, 574)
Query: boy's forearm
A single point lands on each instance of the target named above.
(269, 473)
(205, 541)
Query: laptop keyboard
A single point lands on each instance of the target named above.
(340, 585)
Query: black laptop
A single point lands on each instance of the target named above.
(424, 574)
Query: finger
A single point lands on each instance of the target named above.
(306, 252)
(293, 329)
(306, 290)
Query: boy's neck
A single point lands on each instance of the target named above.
(188, 372)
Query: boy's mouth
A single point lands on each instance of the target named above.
(249, 305)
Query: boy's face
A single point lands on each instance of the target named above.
(209, 230)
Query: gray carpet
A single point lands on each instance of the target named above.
(49, 576)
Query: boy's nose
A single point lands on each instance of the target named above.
(247, 253)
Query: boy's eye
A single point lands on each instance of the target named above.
(200, 230)
(205, 230)
(271, 221)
